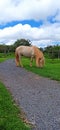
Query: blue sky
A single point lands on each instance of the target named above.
(36, 20)
(30, 22)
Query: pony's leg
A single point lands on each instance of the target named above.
(20, 63)
(31, 61)
(16, 59)
(17, 63)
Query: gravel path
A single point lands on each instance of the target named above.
(38, 97)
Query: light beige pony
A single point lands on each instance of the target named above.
(29, 51)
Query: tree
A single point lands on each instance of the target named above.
(53, 51)
(22, 42)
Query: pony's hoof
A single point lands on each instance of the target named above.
(30, 65)
(21, 66)
(17, 65)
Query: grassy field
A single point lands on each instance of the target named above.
(50, 70)
(9, 113)
(4, 57)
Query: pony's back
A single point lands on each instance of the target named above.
(27, 51)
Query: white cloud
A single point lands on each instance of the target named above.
(45, 35)
(11, 10)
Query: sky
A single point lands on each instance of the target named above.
(36, 20)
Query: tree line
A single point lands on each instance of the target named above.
(11, 48)
(49, 51)
(52, 51)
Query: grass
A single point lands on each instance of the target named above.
(9, 113)
(4, 57)
(50, 70)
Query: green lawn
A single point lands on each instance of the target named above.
(4, 57)
(9, 113)
(51, 68)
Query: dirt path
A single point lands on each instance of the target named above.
(38, 97)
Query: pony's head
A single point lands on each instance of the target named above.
(41, 62)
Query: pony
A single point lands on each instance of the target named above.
(31, 52)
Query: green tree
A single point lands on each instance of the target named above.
(53, 51)
(22, 42)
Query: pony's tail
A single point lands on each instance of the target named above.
(16, 58)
